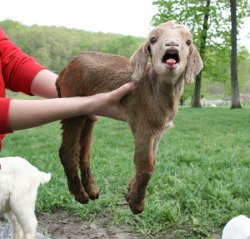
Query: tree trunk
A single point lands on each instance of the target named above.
(234, 76)
(197, 92)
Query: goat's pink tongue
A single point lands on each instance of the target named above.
(171, 61)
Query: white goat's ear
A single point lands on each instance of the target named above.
(139, 61)
(194, 65)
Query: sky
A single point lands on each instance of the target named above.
(127, 17)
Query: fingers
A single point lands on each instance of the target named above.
(119, 93)
(108, 104)
(93, 117)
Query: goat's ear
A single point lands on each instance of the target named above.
(139, 61)
(194, 65)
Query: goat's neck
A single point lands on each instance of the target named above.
(168, 95)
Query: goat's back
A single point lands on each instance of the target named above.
(93, 72)
(18, 173)
(18, 179)
(19, 168)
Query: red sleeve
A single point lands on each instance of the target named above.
(18, 69)
(4, 116)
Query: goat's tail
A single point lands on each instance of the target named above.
(45, 177)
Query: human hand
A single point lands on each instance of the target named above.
(108, 104)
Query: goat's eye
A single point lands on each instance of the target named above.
(153, 40)
(188, 42)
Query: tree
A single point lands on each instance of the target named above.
(234, 74)
(197, 91)
(208, 20)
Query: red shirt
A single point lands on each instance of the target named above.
(17, 71)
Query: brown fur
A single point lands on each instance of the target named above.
(150, 108)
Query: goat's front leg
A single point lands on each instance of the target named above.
(144, 159)
(88, 181)
(156, 141)
(69, 155)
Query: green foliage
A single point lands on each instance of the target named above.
(54, 47)
(217, 69)
(124, 45)
(201, 178)
(191, 13)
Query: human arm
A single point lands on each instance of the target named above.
(25, 114)
(44, 84)
(17, 71)
(23, 74)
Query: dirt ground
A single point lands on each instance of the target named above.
(61, 225)
(64, 226)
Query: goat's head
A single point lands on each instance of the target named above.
(172, 54)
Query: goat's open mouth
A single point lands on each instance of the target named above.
(171, 57)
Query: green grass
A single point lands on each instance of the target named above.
(201, 180)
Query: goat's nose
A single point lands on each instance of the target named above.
(172, 43)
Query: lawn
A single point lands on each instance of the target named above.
(201, 179)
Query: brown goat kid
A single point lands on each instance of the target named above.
(150, 108)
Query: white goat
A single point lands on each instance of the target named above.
(237, 228)
(19, 182)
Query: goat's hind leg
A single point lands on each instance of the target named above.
(69, 155)
(22, 214)
(88, 181)
(17, 230)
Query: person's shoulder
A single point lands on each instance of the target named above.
(3, 35)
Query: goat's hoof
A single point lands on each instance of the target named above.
(137, 208)
(93, 192)
(82, 197)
